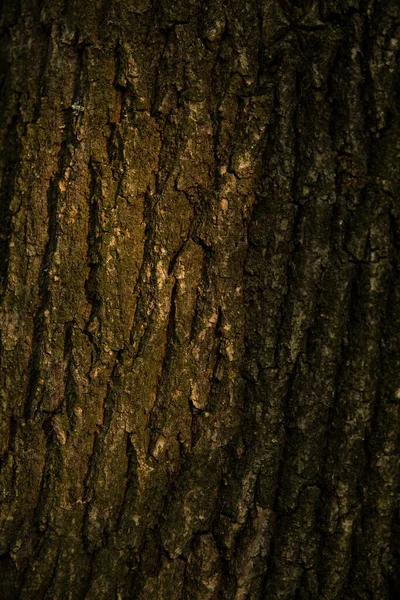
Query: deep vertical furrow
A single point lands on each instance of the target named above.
(324, 319)
(22, 267)
(379, 491)
(93, 258)
(14, 124)
(35, 391)
(9, 174)
(381, 476)
(45, 406)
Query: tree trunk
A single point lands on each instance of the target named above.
(200, 299)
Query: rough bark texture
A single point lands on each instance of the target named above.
(200, 299)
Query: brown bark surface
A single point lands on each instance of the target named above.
(199, 299)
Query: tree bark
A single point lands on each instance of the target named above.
(200, 299)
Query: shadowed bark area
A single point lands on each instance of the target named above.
(199, 300)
